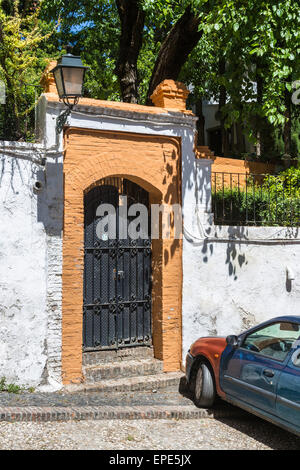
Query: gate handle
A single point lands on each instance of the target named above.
(119, 274)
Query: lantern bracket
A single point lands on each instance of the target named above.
(63, 117)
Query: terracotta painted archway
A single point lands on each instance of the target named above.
(153, 162)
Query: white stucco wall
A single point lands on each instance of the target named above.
(30, 265)
(23, 318)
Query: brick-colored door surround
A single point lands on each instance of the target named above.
(153, 162)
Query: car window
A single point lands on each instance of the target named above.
(274, 341)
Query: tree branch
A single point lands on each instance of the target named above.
(132, 25)
(175, 50)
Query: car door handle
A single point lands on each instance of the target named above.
(269, 373)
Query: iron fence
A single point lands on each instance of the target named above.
(18, 116)
(258, 200)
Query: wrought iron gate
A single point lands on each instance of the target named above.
(117, 274)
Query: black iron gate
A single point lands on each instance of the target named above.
(117, 273)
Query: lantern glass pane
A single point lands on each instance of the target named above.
(59, 83)
(73, 79)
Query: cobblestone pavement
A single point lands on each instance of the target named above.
(239, 430)
(168, 396)
(209, 434)
(62, 406)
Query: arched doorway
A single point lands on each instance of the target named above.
(117, 267)
(152, 163)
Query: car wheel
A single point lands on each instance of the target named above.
(204, 387)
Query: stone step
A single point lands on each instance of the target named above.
(123, 354)
(78, 413)
(130, 384)
(115, 370)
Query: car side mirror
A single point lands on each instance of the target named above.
(232, 340)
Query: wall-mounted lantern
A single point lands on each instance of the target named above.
(69, 77)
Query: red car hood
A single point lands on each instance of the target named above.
(212, 344)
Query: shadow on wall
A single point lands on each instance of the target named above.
(188, 163)
(50, 198)
(13, 167)
(234, 258)
(199, 188)
(172, 195)
(235, 255)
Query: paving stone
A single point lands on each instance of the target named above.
(128, 384)
(61, 406)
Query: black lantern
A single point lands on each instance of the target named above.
(69, 77)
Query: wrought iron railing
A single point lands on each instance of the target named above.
(18, 119)
(258, 200)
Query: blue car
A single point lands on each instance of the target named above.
(259, 371)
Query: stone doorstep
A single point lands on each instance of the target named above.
(113, 370)
(45, 414)
(129, 384)
(120, 355)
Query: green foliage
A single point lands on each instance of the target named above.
(92, 28)
(284, 197)
(268, 201)
(257, 40)
(20, 64)
(10, 388)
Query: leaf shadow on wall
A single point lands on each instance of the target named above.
(235, 258)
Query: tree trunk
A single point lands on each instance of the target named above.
(175, 50)
(132, 25)
(200, 122)
(240, 139)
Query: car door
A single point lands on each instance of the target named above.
(288, 390)
(252, 370)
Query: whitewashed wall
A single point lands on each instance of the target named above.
(23, 319)
(30, 268)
